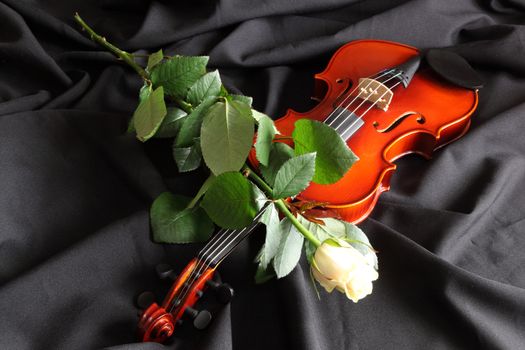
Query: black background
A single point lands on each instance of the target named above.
(75, 190)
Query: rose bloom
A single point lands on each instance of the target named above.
(345, 269)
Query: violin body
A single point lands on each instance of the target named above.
(429, 113)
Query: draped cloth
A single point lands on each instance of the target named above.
(75, 189)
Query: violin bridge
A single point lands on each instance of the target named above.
(375, 92)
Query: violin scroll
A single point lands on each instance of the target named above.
(158, 322)
(156, 325)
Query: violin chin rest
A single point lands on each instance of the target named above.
(453, 68)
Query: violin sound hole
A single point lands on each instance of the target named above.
(419, 118)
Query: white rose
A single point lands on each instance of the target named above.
(345, 269)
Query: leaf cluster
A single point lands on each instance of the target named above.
(209, 126)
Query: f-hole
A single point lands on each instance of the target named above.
(420, 119)
(341, 97)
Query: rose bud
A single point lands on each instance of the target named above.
(336, 264)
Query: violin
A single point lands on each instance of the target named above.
(385, 100)
(385, 104)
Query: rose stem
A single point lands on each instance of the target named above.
(279, 203)
(123, 55)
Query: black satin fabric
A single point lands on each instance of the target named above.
(75, 189)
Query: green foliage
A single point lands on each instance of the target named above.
(172, 222)
(279, 153)
(144, 92)
(232, 201)
(334, 158)
(241, 98)
(209, 85)
(258, 116)
(154, 59)
(178, 73)
(264, 274)
(149, 114)
(226, 136)
(172, 123)
(265, 135)
(270, 218)
(290, 248)
(294, 176)
(188, 158)
(191, 126)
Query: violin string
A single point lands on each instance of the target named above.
(351, 92)
(373, 76)
(206, 262)
(204, 250)
(369, 108)
(200, 267)
(363, 101)
(250, 227)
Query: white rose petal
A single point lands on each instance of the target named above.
(345, 269)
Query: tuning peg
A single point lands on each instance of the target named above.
(223, 291)
(144, 300)
(165, 271)
(201, 319)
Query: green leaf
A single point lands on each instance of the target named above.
(144, 93)
(258, 116)
(309, 250)
(231, 201)
(178, 73)
(289, 251)
(188, 158)
(154, 59)
(279, 153)
(241, 98)
(172, 222)
(294, 176)
(264, 274)
(334, 158)
(270, 218)
(172, 123)
(265, 135)
(204, 187)
(209, 85)
(149, 114)
(259, 197)
(191, 126)
(226, 136)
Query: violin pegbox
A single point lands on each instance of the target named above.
(158, 322)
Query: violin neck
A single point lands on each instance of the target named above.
(224, 242)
